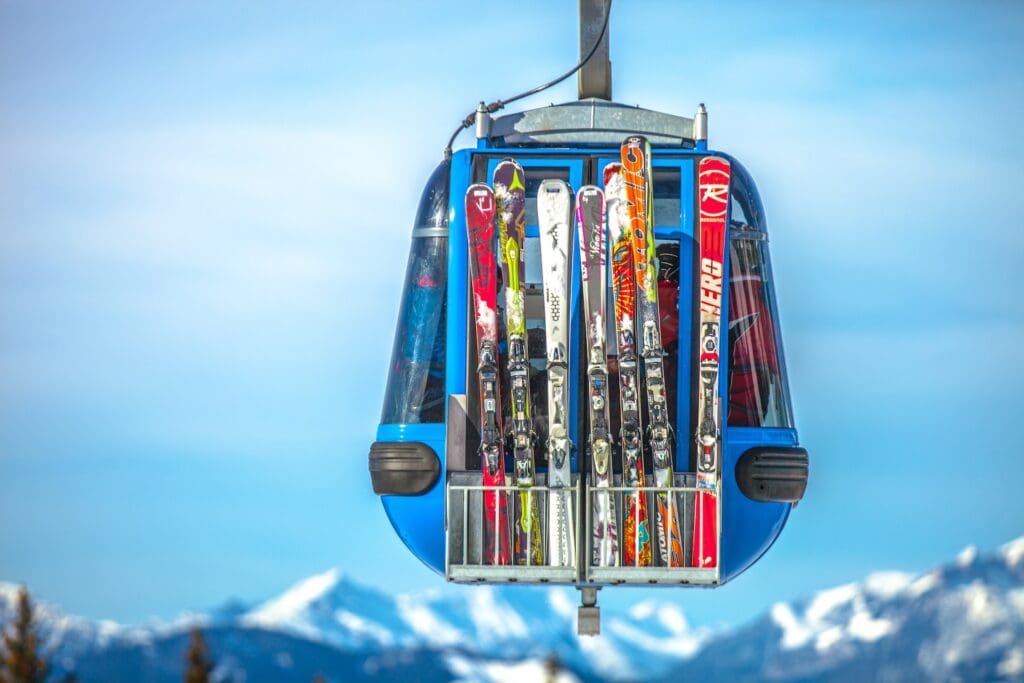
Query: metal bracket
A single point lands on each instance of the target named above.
(588, 618)
(590, 122)
(483, 121)
(595, 78)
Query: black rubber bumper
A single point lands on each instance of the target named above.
(773, 474)
(403, 468)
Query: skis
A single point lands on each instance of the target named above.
(713, 175)
(480, 223)
(636, 541)
(637, 177)
(510, 197)
(554, 213)
(593, 272)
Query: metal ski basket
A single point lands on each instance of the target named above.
(464, 522)
(680, 502)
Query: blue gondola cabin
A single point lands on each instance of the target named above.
(425, 463)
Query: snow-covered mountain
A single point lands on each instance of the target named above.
(960, 622)
(520, 623)
(963, 621)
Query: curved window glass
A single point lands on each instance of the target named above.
(758, 395)
(416, 390)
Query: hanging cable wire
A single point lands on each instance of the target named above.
(499, 104)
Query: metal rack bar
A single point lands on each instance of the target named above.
(465, 502)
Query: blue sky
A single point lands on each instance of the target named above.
(194, 330)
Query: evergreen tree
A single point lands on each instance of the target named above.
(20, 656)
(197, 662)
(552, 667)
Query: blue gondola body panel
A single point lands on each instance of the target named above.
(419, 520)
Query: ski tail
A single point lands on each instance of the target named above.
(480, 214)
(497, 543)
(605, 535)
(713, 182)
(636, 536)
(705, 529)
(529, 543)
(561, 533)
(669, 543)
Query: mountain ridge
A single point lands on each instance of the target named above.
(960, 621)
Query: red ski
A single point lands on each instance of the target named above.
(713, 200)
(480, 211)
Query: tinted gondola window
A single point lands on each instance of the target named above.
(758, 395)
(416, 390)
(667, 197)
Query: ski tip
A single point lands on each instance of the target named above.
(479, 203)
(715, 161)
(509, 177)
(588, 192)
(507, 165)
(610, 171)
(478, 192)
(636, 155)
(554, 186)
(636, 141)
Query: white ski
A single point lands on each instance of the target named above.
(554, 212)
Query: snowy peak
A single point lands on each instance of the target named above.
(1013, 553)
(69, 634)
(966, 557)
(847, 613)
(298, 602)
(312, 590)
(520, 622)
(330, 609)
(977, 592)
(659, 628)
(962, 621)
(864, 611)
